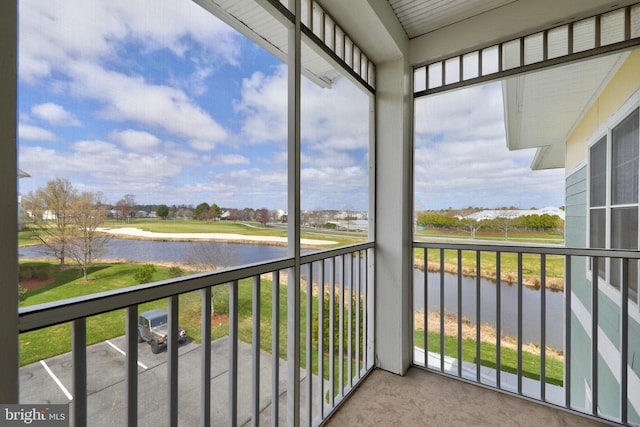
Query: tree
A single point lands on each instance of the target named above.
(261, 216)
(211, 256)
(201, 211)
(87, 213)
(163, 211)
(234, 215)
(504, 224)
(215, 211)
(130, 200)
(50, 207)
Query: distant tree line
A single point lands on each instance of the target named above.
(526, 223)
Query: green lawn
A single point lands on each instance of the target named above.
(26, 237)
(554, 268)
(48, 342)
(509, 357)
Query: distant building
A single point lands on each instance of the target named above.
(514, 213)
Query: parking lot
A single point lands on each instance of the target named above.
(50, 382)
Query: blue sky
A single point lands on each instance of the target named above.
(160, 99)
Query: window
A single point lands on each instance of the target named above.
(613, 217)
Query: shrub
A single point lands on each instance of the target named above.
(175, 272)
(26, 273)
(22, 293)
(43, 273)
(144, 274)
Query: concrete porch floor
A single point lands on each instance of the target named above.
(422, 398)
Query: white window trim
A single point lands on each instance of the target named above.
(605, 129)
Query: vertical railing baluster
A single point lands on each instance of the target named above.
(567, 332)
(370, 298)
(358, 283)
(172, 360)
(478, 318)
(255, 351)
(233, 354)
(442, 310)
(498, 319)
(350, 322)
(205, 382)
(309, 355)
(332, 314)
(426, 307)
(131, 319)
(341, 330)
(321, 339)
(520, 323)
(624, 341)
(594, 336)
(79, 351)
(543, 327)
(459, 313)
(275, 349)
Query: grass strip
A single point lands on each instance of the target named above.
(509, 357)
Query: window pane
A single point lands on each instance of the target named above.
(597, 228)
(624, 235)
(624, 161)
(597, 235)
(597, 173)
(177, 124)
(334, 128)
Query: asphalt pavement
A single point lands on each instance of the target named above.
(50, 382)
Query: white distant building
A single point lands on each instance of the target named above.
(514, 213)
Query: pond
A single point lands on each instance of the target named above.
(172, 251)
(508, 306)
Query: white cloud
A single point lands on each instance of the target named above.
(132, 98)
(54, 114)
(35, 133)
(230, 160)
(136, 140)
(54, 32)
(100, 165)
(461, 158)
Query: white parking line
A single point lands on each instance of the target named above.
(57, 381)
(124, 354)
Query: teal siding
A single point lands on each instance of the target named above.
(575, 232)
(608, 390)
(609, 313)
(580, 363)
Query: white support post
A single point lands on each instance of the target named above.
(394, 193)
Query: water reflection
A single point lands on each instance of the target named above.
(508, 307)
